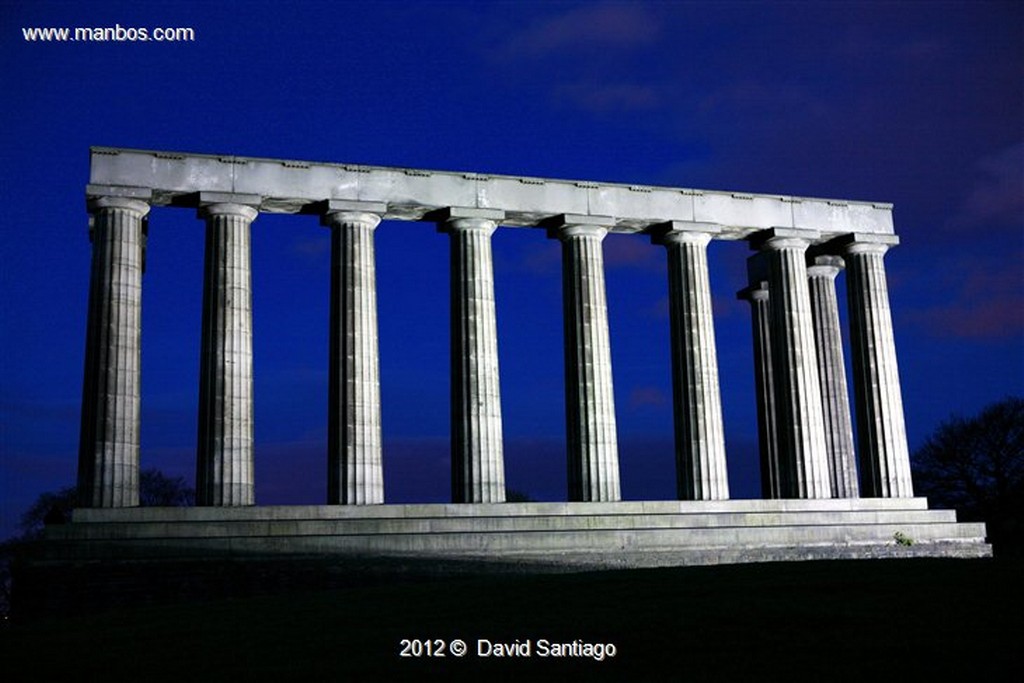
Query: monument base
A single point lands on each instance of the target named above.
(531, 535)
(132, 556)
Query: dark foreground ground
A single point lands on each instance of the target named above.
(827, 621)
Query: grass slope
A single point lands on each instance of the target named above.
(840, 620)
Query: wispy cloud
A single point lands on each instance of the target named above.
(988, 303)
(592, 28)
(997, 196)
(994, 319)
(586, 57)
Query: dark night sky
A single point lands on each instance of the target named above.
(919, 104)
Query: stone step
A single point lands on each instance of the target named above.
(589, 540)
(491, 524)
(320, 512)
(605, 533)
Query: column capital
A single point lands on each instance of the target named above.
(572, 225)
(861, 243)
(228, 209)
(337, 218)
(228, 203)
(455, 218)
(138, 206)
(824, 266)
(115, 196)
(484, 225)
(334, 212)
(755, 292)
(774, 239)
(682, 232)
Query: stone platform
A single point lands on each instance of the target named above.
(529, 536)
(136, 556)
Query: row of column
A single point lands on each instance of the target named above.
(805, 431)
(805, 442)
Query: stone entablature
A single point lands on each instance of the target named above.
(283, 186)
(801, 244)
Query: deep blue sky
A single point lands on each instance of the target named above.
(920, 104)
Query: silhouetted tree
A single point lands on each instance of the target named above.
(155, 490)
(52, 507)
(158, 490)
(55, 507)
(976, 465)
(5, 582)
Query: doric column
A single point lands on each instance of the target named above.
(355, 474)
(224, 471)
(478, 467)
(700, 440)
(767, 429)
(822, 271)
(108, 455)
(882, 437)
(589, 403)
(802, 454)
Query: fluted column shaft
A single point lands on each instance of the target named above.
(224, 472)
(108, 456)
(478, 467)
(803, 457)
(355, 474)
(593, 456)
(835, 397)
(767, 428)
(700, 440)
(882, 437)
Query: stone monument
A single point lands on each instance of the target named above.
(813, 504)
